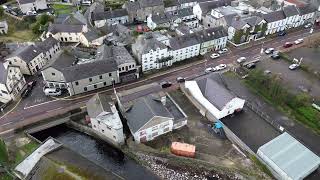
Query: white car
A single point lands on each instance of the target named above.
(220, 67)
(214, 55)
(222, 51)
(269, 50)
(293, 66)
(308, 25)
(241, 59)
(208, 70)
(298, 41)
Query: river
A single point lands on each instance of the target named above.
(97, 151)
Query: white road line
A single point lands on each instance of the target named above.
(7, 131)
(40, 104)
(7, 123)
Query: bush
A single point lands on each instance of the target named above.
(3, 153)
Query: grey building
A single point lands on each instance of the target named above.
(110, 17)
(67, 73)
(127, 67)
(141, 9)
(212, 39)
(50, 47)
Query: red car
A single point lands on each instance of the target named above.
(288, 44)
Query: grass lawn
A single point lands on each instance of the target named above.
(19, 36)
(63, 9)
(5, 177)
(25, 150)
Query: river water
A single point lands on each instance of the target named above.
(97, 151)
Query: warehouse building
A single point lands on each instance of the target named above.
(287, 158)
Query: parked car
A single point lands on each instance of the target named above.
(298, 41)
(220, 67)
(165, 84)
(288, 44)
(275, 56)
(222, 51)
(241, 60)
(267, 72)
(293, 66)
(307, 25)
(282, 33)
(250, 66)
(52, 91)
(31, 84)
(214, 55)
(181, 79)
(208, 70)
(31, 13)
(269, 50)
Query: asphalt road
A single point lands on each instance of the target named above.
(23, 115)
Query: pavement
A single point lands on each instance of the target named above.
(22, 115)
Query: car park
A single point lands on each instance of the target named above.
(214, 55)
(222, 51)
(309, 25)
(52, 91)
(165, 84)
(220, 67)
(269, 50)
(282, 33)
(288, 44)
(298, 41)
(181, 79)
(293, 66)
(241, 60)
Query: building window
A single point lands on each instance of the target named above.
(104, 83)
(98, 122)
(110, 74)
(100, 76)
(4, 92)
(85, 89)
(109, 127)
(94, 126)
(114, 137)
(102, 130)
(95, 86)
(70, 38)
(53, 74)
(90, 79)
(77, 83)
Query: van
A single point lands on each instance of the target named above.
(52, 92)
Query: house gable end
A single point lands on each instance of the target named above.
(155, 120)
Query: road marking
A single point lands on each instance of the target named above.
(11, 109)
(27, 107)
(6, 123)
(7, 131)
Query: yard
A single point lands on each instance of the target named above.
(63, 8)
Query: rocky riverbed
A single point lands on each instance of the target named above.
(164, 170)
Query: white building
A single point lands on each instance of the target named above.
(92, 38)
(292, 15)
(212, 39)
(202, 8)
(151, 53)
(110, 17)
(12, 82)
(212, 98)
(3, 27)
(50, 48)
(184, 47)
(32, 5)
(30, 59)
(187, 17)
(276, 22)
(307, 14)
(105, 118)
(150, 115)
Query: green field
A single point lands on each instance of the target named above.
(63, 9)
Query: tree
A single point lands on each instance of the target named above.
(1, 11)
(3, 153)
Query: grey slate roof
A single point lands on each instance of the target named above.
(3, 74)
(307, 9)
(183, 41)
(55, 28)
(209, 5)
(143, 110)
(253, 20)
(119, 54)
(274, 16)
(132, 6)
(183, 29)
(290, 11)
(161, 19)
(47, 44)
(150, 3)
(97, 104)
(215, 93)
(25, 1)
(27, 53)
(144, 45)
(109, 14)
(184, 12)
(75, 19)
(211, 34)
(92, 34)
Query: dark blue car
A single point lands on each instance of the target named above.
(282, 33)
